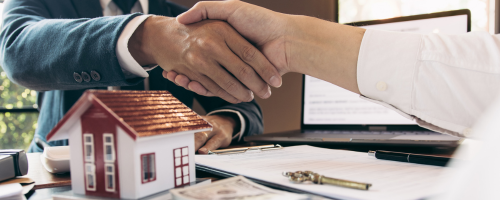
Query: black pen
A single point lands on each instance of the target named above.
(410, 157)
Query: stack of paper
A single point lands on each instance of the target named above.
(390, 179)
(12, 191)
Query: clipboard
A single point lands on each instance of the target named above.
(397, 180)
(226, 174)
(245, 149)
(239, 150)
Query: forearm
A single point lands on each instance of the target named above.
(446, 81)
(322, 49)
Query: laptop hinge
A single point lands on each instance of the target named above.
(377, 128)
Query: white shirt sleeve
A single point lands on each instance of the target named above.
(442, 81)
(129, 65)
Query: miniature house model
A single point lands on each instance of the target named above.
(129, 144)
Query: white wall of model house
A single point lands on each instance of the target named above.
(125, 151)
(76, 164)
(162, 146)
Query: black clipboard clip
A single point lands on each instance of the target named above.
(245, 149)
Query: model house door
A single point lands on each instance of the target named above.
(100, 155)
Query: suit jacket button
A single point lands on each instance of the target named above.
(96, 76)
(78, 77)
(86, 76)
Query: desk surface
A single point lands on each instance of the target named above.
(61, 182)
(42, 178)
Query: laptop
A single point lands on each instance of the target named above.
(331, 114)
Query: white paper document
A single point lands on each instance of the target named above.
(389, 179)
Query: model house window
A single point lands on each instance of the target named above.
(110, 177)
(181, 166)
(88, 142)
(90, 176)
(148, 167)
(109, 147)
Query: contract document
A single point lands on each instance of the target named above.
(389, 179)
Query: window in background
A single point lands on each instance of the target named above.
(482, 11)
(18, 114)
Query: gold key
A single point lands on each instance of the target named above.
(303, 176)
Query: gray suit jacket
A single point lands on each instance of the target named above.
(46, 44)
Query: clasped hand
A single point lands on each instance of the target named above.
(264, 28)
(211, 56)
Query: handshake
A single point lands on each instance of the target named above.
(233, 50)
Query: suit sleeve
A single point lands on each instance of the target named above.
(42, 53)
(250, 110)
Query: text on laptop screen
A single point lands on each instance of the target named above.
(325, 103)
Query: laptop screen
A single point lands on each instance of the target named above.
(327, 104)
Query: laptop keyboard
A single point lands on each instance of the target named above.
(377, 132)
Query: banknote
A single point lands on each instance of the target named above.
(237, 188)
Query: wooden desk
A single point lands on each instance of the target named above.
(42, 178)
(48, 184)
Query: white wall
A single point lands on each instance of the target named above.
(163, 146)
(126, 166)
(76, 164)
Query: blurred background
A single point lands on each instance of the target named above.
(18, 113)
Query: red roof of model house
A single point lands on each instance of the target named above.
(139, 113)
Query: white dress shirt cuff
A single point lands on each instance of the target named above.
(386, 67)
(387, 71)
(238, 135)
(130, 66)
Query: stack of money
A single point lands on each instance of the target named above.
(238, 188)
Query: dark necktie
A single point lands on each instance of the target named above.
(125, 5)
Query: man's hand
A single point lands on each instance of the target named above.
(211, 53)
(264, 28)
(292, 43)
(220, 136)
